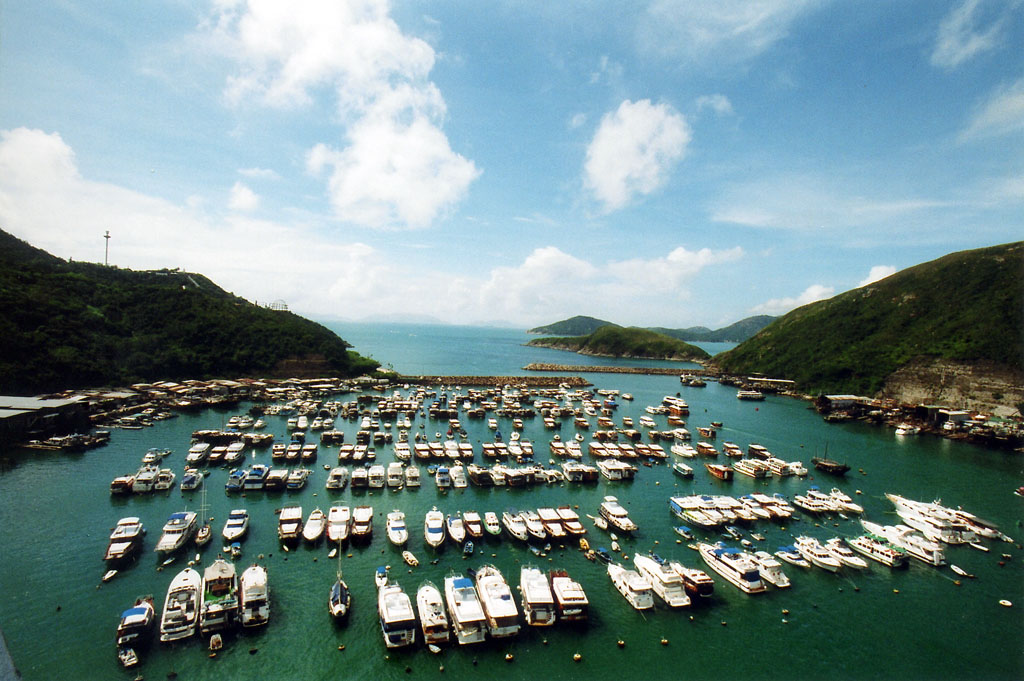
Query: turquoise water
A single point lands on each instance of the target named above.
(55, 514)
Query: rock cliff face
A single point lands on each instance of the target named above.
(985, 387)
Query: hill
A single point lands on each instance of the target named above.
(615, 341)
(574, 326)
(72, 325)
(949, 330)
(734, 333)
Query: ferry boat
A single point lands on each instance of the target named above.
(315, 525)
(339, 523)
(752, 395)
(635, 589)
(770, 569)
(468, 620)
(433, 527)
(397, 532)
(220, 597)
(433, 620)
(362, 522)
(236, 526)
(498, 605)
(666, 582)
(879, 550)
(181, 607)
(397, 617)
(289, 523)
(537, 600)
(254, 598)
(571, 601)
(734, 565)
(616, 515)
(910, 540)
(180, 527)
(696, 582)
(125, 541)
(812, 551)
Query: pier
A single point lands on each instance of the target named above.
(649, 371)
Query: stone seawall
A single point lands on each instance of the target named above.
(649, 371)
(496, 381)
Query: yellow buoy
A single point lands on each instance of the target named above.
(664, 641)
(577, 657)
(509, 657)
(621, 643)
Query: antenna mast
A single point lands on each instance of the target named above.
(106, 249)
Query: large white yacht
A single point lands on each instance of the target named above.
(537, 599)
(468, 619)
(397, 532)
(433, 620)
(181, 607)
(236, 526)
(633, 587)
(180, 527)
(339, 523)
(433, 527)
(254, 598)
(498, 604)
(667, 583)
(812, 551)
(397, 617)
(770, 569)
(220, 597)
(571, 600)
(734, 565)
(616, 515)
(910, 540)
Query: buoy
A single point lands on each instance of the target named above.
(509, 657)
(724, 623)
(957, 582)
(253, 651)
(895, 591)
(621, 643)
(691, 618)
(577, 657)
(1005, 603)
(785, 611)
(341, 647)
(440, 668)
(664, 641)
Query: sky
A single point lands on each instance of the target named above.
(665, 163)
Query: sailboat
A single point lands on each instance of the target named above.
(340, 599)
(205, 533)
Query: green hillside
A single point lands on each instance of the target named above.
(574, 326)
(70, 325)
(734, 333)
(615, 341)
(964, 307)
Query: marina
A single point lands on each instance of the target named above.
(299, 575)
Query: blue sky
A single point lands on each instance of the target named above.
(670, 163)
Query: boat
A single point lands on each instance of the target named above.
(637, 591)
(380, 576)
(191, 479)
(180, 527)
(362, 522)
(552, 522)
(220, 597)
(515, 525)
(751, 395)
(571, 602)
(537, 600)
(455, 527)
(473, 524)
(410, 559)
(790, 555)
(339, 523)
(733, 564)
(289, 523)
(616, 516)
(254, 596)
(397, 617)
(534, 524)
(255, 477)
(910, 540)
(412, 476)
(840, 550)
(181, 607)
(164, 480)
(134, 629)
(682, 470)
(339, 601)
(398, 533)
(337, 479)
(297, 478)
(433, 527)
(753, 468)
(935, 521)
(904, 429)
(395, 475)
(498, 605)
(236, 526)
(430, 608)
(467, 615)
(313, 530)
(879, 550)
(666, 582)
(812, 551)
(125, 541)
(830, 466)
(492, 525)
(376, 476)
(696, 582)
(571, 521)
(770, 569)
(720, 471)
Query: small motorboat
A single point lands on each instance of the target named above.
(380, 577)
(410, 559)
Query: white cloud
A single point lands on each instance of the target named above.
(778, 306)
(877, 273)
(633, 150)
(577, 120)
(718, 103)
(607, 70)
(258, 173)
(243, 199)
(667, 274)
(1001, 114)
(396, 168)
(960, 39)
(718, 31)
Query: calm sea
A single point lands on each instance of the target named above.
(59, 621)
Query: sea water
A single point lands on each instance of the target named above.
(56, 513)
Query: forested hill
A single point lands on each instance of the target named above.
(615, 341)
(960, 314)
(70, 325)
(579, 325)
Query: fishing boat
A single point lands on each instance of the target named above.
(515, 525)
(498, 605)
(430, 608)
(398, 533)
(313, 530)
(362, 523)
(220, 597)
(571, 602)
(812, 551)
(770, 569)
(733, 564)
(134, 629)
(125, 541)
(289, 523)
(467, 615)
(181, 607)
(616, 516)
(433, 528)
(537, 599)
(666, 582)
(397, 617)
(254, 596)
(339, 523)
(180, 528)
(637, 591)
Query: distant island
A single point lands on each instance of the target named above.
(75, 324)
(949, 331)
(734, 333)
(616, 341)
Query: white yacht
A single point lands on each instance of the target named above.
(376, 476)
(197, 453)
(667, 583)
(362, 522)
(181, 607)
(397, 617)
(935, 521)
(879, 550)
(125, 540)
(412, 476)
(571, 602)
(515, 525)
(910, 540)
(537, 599)
(442, 478)
(315, 526)
(634, 588)
(734, 565)
(616, 515)
(220, 597)
(254, 596)
(289, 523)
(433, 527)
(398, 533)
(395, 475)
(455, 527)
(812, 550)
(498, 605)
(236, 526)
(770, 569)
(339, 523)
(433, 620)
(180, 527)
(534, 525)
(468, 619)
(337, 479)
(840, 550)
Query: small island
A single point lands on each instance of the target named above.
(616, 341)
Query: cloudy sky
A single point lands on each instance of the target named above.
(672, 163)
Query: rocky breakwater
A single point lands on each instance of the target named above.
(496, 381)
